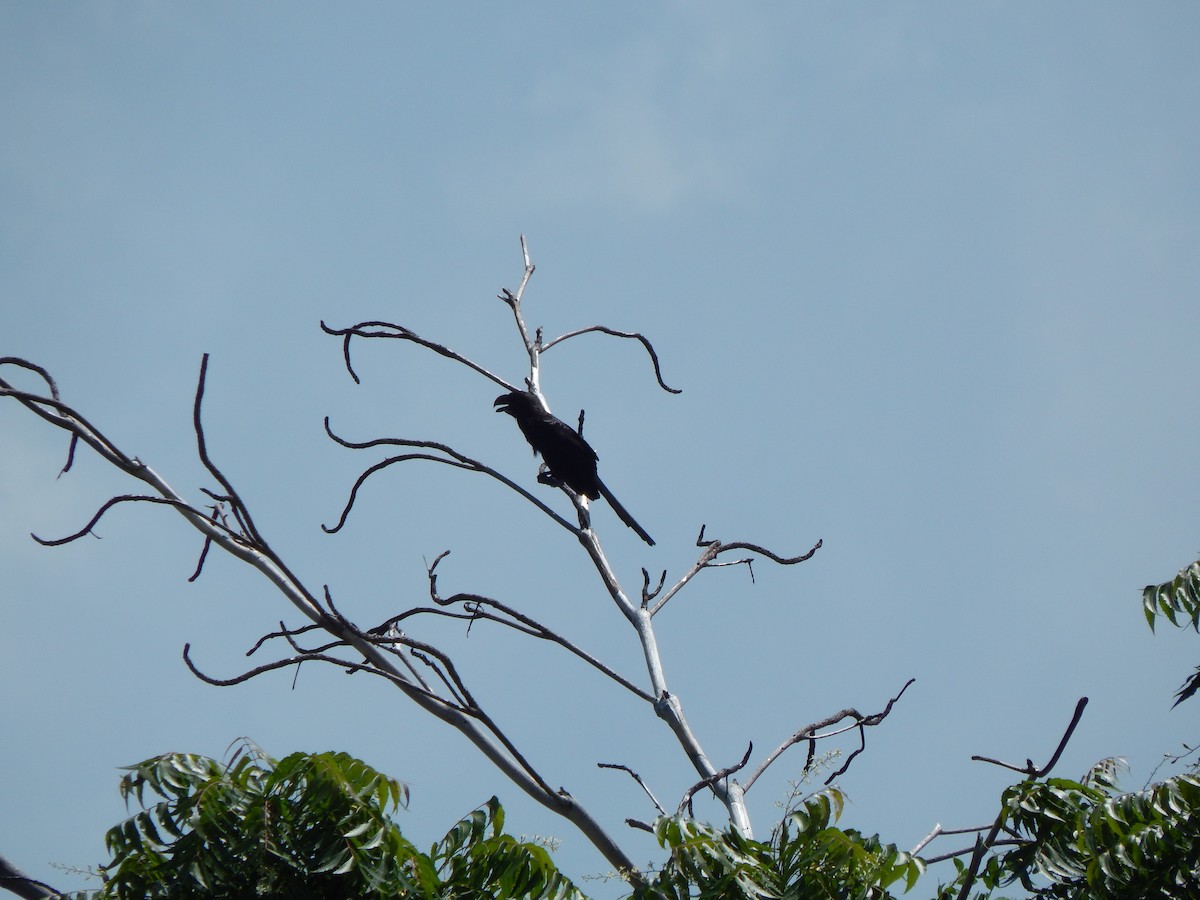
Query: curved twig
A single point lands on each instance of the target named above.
(638, 778)
(377, 329)
(283, 632)
(378, 467)
(647, 593)
(456, 459)
(1029, 769)
(36, 369)
(478, 605)
(54, 396)
(65, 417)
(291, 661)
(711, 549)
(982, 845)
(240, 509)
(757, 548)
(633, 335)
(216, 519)
(254, 541)
(809, 733)
(686, 802)
(131, 498)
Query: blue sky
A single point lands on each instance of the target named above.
(926, 274)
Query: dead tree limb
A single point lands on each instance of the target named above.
(985, 843)
(423, 673)
(812, 733)
(14, 880)
(1029, 769)
(708, 559)
(686, 802)
(443, 454)
(642, 784)
(249, 545)
(612, 332)
(638, 612)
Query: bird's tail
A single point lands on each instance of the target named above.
(623, 514)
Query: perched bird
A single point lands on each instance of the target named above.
(569, 457)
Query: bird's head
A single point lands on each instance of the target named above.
(515, 403)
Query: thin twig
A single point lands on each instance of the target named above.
(604, 329)
(455, 459)
(982, 845)
(1029, 768)
(638, 778)
(130, 498)
(921, 844)
(686, 802)
(240, 509)
(533, 348)
(392, 331)
(809, 733)
(712, 549)
(478, 606)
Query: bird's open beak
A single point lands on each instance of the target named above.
(501, 403)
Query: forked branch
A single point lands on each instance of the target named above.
(1031, 770)
(984, 843)
(395, 332)
(812, 733)
(612, 332)
(479, 607)
(709, 558)
(711, 780)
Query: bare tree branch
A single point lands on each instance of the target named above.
(667, 705)
(62, 416)
(54, 396)
(128, 498)
(252, 548)
(984, 844)
(377, 329)
(532, 348)
(421, 671)
(924, 842)
(14, 880)
(1031, 770)
(809, 733)
(638, 778)
(712, 549)
(451, 458)
(478, 607)
(604, 329)
(686, 802)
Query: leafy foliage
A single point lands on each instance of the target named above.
(1175, 599)
(1086, 839)
(1178, 601)
(806, 857)
(319, 826)
(310, 825)
(476, 859)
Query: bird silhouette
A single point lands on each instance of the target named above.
(567, 455)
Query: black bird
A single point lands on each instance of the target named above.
(569, 457)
